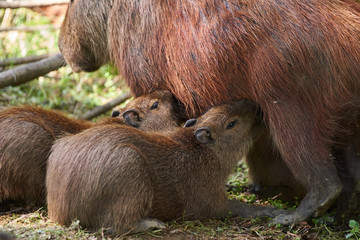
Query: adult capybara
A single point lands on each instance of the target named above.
(115, 176)
(27, 134)
(299, 60)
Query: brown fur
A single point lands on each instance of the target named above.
(167, 114)
(113, 176)
(26, 137)
(91, 54)
(299, 60)
(27, 134)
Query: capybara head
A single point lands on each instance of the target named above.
(83, 35)
(153, 112)
(229, 126)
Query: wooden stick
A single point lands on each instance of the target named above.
(29, 3)
(22, 60)
(29, 28)
(28, 72)
(106, 107)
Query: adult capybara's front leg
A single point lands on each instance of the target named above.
(303, 145)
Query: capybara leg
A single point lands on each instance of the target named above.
(147, 224)
(348, 165)
(268, 173)
(303, 146)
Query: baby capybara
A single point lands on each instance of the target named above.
(27, 134)
(26, 137)
(118, 177)
(157, 111)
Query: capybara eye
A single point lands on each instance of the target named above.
(155, 105)
(231, 125)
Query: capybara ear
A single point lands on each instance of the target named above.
(115, 113)
(132, 117)
(203, 135)
(190, 123)
(254, 107)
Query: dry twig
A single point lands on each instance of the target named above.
(28, 72)
(104, 108)
(29, 28)
(29, 3)
(22, 60)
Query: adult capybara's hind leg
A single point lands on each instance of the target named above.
(268, 173)
(304, 148)
(348, 164)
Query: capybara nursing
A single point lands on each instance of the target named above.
(27, 134)
(299, 60)
(26, 137)
(114, 176)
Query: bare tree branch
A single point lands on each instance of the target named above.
(29, 3)
(27, 59)
(29, 28)
(106, 107)
(28, 72)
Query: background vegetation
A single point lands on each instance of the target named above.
(77, 93)
(74, 93)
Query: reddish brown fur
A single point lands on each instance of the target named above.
(27, 134)
(113, 176)
(299, 60)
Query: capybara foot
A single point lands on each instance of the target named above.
(147, 224)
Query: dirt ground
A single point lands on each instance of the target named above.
(35, 225)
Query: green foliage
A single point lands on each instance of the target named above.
(354, 232)
(19, 43)
(74, 93)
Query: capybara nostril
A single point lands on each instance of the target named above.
(203, 135)
(132, 117)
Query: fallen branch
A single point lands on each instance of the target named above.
(106, 107)
(29, 28)
(29, 4)
(22, 60)
(28, 72)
